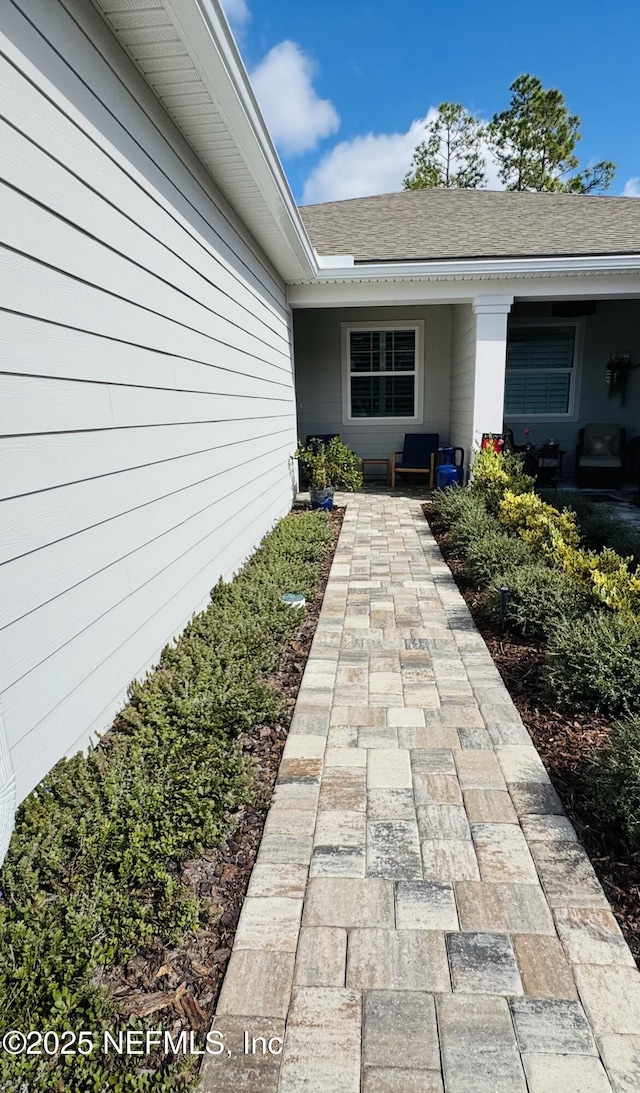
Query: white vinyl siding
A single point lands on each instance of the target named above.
(146, 407)
(540, 370)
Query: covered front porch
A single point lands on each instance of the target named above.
(540, 367)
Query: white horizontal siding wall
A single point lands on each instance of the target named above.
(146, 407)
(318, 354)
(463, 363)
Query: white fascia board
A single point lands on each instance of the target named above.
(335, 261)
(349, 292)
(483, 267)
(207, 37)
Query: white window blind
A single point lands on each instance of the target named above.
(382, 373)
(540, 370)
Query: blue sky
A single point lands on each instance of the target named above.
(346, 86)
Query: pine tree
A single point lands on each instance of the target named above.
(534, 143)
(450, 155)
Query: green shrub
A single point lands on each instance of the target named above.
(539, 597)
(602, 528)
(332, 464)
(457, 501)
(593, 664)
(492, 553)
(93, 871)
(493, 473)
(615, 776)
(470, 527)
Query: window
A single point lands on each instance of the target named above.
(382, 371)
(540, 373)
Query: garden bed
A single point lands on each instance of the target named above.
(566, 745)
(217, 710)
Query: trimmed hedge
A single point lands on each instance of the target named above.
(491, 553)
(593, 664)
(539, 599)
(615, 776)
(93, 871)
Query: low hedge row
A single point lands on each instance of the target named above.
(566, 589)
(93, 871)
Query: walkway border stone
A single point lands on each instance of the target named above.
(421, 915)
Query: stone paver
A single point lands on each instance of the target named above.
(254, 1071)
(478, 1045)
(569, 1073)
(399, 1029)
(551, 1027)
(410, 960)
(483, 964)
(421, 916)
(544, 969)
(322, 957)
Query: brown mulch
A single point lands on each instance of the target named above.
(183, 983)
(566, 744)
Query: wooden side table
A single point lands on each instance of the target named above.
(386, 463)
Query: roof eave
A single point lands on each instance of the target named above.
(479, 268)
(274, 220)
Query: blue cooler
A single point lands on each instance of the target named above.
(448, 458)
(447, 475)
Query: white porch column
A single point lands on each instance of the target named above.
(491, 314)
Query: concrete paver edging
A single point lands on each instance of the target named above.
(421, 916)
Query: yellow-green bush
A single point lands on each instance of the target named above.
(555, 535)
(494, 473)
(540, 525)
(606, 575)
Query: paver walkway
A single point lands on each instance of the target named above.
(421, 917)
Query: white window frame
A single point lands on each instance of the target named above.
(416, 325)
(576, 372)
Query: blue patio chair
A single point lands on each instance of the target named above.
(418, 456)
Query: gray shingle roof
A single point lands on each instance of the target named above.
(428, 224)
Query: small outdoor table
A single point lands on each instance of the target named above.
(550, 466)
(386, 463)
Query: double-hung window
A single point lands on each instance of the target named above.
(382, 371)
(541, 370)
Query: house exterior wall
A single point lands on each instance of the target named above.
(615, 327)
(147, 410)
(463, 364)
(318, 364)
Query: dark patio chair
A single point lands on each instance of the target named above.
(418, 456)
(600, 456)
(321, 438)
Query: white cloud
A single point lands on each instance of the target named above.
(373, 164)
(297, 118)
(236, 11)
(632, 187)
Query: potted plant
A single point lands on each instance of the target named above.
(327, 468)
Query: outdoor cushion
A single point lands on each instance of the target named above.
(602, 440)
(600, 461)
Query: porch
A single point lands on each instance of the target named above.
(536, 366)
